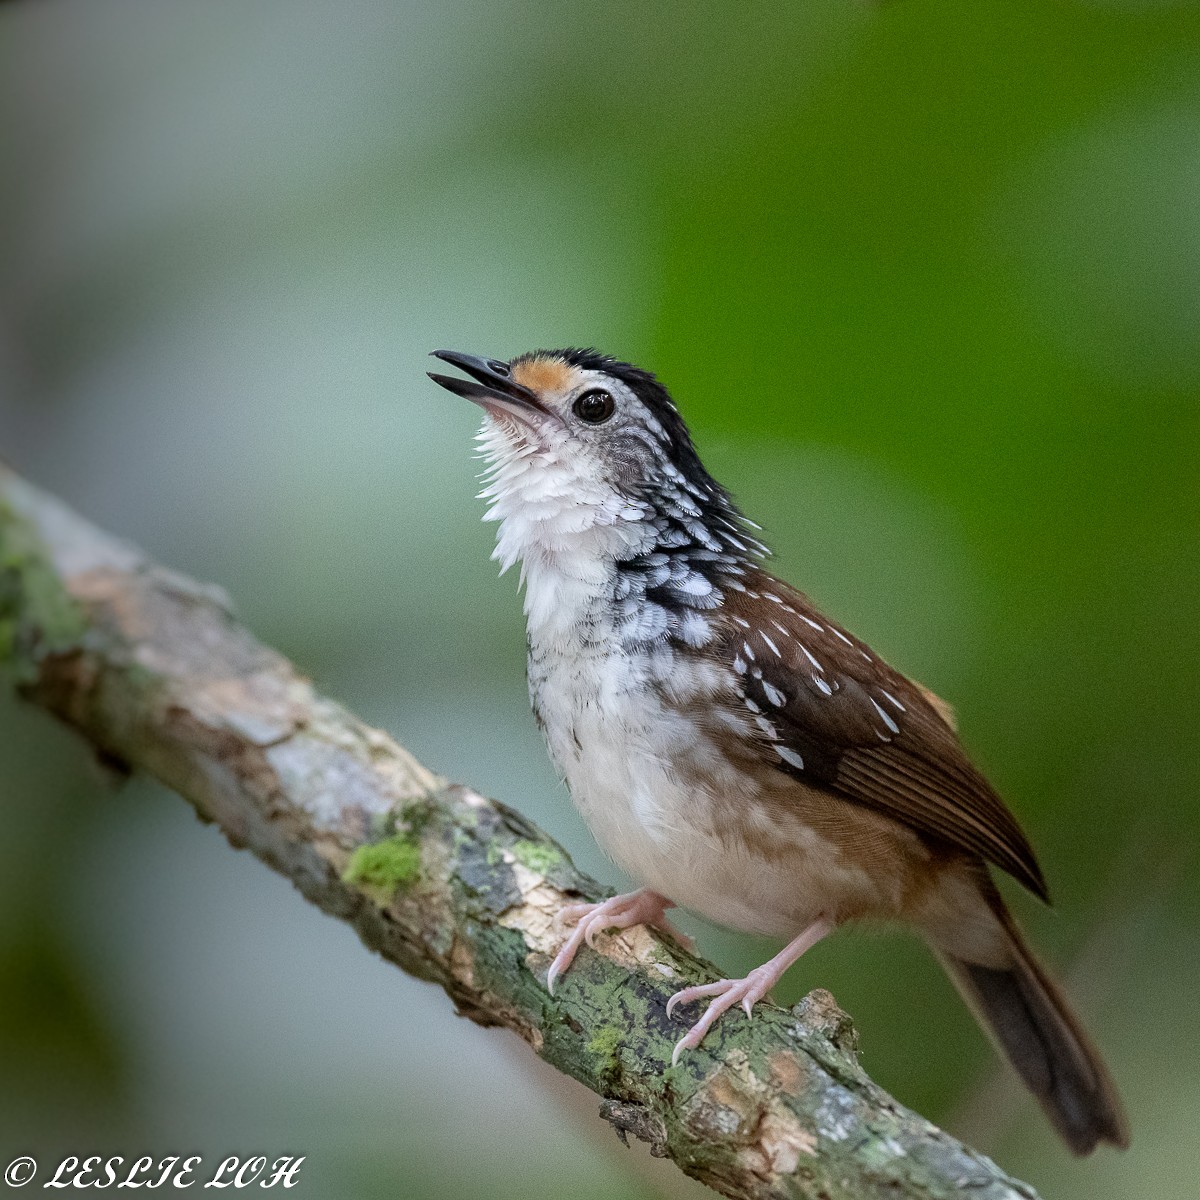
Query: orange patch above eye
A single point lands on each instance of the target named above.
(543, 376)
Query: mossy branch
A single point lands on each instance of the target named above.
(155, 672)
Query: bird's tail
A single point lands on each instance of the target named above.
(1029, 1018)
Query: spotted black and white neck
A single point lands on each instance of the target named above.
(624, 538)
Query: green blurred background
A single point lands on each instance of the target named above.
(925, 277)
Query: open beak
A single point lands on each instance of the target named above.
(491, 386)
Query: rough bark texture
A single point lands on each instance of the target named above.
(154, 671)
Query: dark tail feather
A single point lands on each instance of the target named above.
(1030, 1020)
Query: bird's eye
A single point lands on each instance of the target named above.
(595, 407)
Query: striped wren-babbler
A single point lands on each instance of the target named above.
(730, 747)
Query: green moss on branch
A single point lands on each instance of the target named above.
(37, 615)
(385, 866)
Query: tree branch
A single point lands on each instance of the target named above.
(154, 671)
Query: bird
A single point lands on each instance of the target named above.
(734, 750)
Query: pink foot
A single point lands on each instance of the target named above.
(748, 992)
(642, 907)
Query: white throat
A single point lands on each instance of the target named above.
(565, 525)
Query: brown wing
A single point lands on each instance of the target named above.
(836, 716)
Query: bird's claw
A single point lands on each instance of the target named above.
(727, 993)
(747, 992)
(642, 907)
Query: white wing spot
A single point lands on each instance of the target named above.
(888, 695)
(822, 686)
(810, 657)
(742, 622)
(774, 695)
(739, 665)
(773, 597)
(887, 720)
(839, 633)
(774, 648)
(766, 727)
(749, 652)
(782, 629)
(790, 757)
(751, 705)
(810, 621)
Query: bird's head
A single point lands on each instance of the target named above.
(582, 446)
(605, 423)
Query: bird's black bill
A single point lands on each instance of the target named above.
(490, 385)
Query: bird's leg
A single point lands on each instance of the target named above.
(748, 991)
(642, 907)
